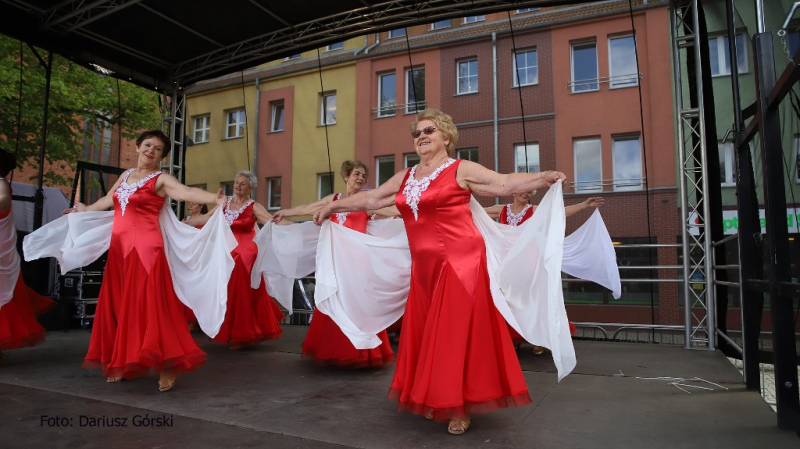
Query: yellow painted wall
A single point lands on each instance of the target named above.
(217, 161)
(309, 150)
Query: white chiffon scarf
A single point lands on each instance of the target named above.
(285, 253)
(199, 259)
(9, 259)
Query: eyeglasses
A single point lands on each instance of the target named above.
(428, 130)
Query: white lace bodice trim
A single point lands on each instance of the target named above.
(230, 215)
(515, 219)
(341, 217)
(125, 190)
(413, 188)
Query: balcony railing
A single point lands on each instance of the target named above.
(619, 185)
(406, 108)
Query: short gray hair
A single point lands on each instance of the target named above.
(249, 175)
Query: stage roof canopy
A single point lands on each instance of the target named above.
(157, 43)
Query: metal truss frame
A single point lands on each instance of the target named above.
(698, 273)
(173, 123)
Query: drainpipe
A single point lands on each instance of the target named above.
(366, 44)
(377, 41)
(494, 101)
(255, 138)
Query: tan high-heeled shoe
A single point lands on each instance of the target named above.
(167, 385)
(458, 426)
(113, 380)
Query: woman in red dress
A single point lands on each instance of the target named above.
(325, 344)
(519, 212)
(251, 316)
(455, 357)
(20, 305)
(139, 326)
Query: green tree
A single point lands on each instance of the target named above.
(77, 95)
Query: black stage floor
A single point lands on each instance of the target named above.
(269, 397)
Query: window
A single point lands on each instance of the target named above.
(796, 158)
(719, 58)
(201, 127)
(584, 67)
(328, 112)
(526, 68)
(415, 90)
(227, 188)
(277, 116)
(522, 10)
(533, 157)
(385, 171)
(588, 165)
(440, 24)
(473, 19)
(336, 46)
(235, 127)
(324, 184)
(622, 62)
(726, 164)
(470, 154)
(467, 76)
(296, 56)
(274, 193)
(627, 163)
(387, 97)
(411, 160)
(400, 32)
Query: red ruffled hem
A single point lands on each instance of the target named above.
(150, 365)
(354, 363)
(29, 340)
(444, 414)
(238, 344)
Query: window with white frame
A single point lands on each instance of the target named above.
(796, 159)
(440, 24)
(276, 123)
(584, 67)
(385, 169)
(467, 76)
(526, 154)
(398, 32)
(324, 184)
(235, 124)
(387, 94)
(622, 62)
(202, 125)
(526, 68)
(588, 165)
(627, 153)
(328, 111)
(719, 57)
(473, 19)
(523, 10)
(227, 188)
(469, 154)
(336, 46)
(415, 90)
(726, 164)
(411, 159)
(274, 193)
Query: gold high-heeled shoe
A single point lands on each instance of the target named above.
(458, 426)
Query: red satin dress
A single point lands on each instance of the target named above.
(507, 217)
(325, 343)
(455, 356)
(252, 316)
(18, 325)
(139, 326)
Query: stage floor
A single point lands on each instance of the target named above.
(270, 397)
